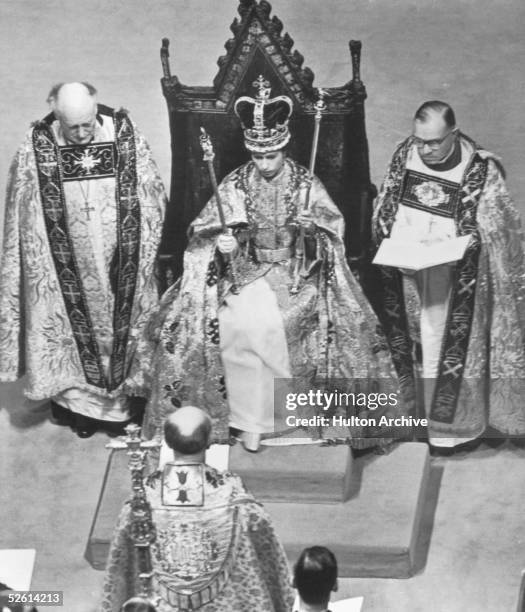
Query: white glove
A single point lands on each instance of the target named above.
(227, 244)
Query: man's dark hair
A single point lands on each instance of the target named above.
(187, 444)
(315, 574)
(138, 604)
(436, 106)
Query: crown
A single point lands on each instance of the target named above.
(264, 119)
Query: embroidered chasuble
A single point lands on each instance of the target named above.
(468, 317)
(77, 282)
(237, 345)
(215, 547)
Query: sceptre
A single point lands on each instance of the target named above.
(319, 106)
(208, 156)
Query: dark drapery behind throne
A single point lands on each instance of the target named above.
(259, 47)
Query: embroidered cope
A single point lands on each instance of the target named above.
(77, 281)
(221, 555)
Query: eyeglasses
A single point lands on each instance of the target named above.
(432, 144)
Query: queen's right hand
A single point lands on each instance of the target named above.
(227, 244)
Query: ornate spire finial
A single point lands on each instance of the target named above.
(355, 52)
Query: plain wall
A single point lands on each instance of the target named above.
(467, 52)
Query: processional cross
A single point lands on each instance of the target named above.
(142, 529)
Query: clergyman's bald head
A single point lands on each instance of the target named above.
(75, 106)
(187, 430)
(73, 98)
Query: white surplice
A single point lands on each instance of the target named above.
(432, 285)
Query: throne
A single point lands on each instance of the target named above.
(259, 47)
(368, 510)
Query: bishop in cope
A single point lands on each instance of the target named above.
(84, 212)
(464, 319)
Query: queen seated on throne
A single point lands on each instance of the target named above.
(265, 295)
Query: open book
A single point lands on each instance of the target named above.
(417, 255)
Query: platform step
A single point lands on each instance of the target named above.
(115, 491)
(373, 534)
(299, 473)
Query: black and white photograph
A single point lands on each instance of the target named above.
(262, 306)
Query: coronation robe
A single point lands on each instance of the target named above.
(468, 317)
(215, 547)
(222, 351)
(77, 282)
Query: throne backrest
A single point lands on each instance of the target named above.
(259, 47)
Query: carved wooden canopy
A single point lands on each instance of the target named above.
(259, 47)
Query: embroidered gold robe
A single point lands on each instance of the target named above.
(328, 328)
(218, 553)
(77, 282)
(469, 317)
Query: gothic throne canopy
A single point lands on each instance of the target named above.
(259, 47)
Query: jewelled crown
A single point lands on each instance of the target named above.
(264, 119)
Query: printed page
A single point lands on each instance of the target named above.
(417, 255)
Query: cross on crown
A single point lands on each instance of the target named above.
(263, 87)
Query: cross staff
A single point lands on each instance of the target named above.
(208, 156)
(319, 106)
(142, 529)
